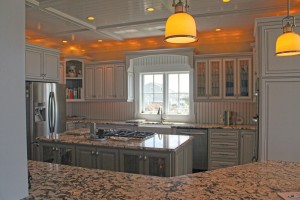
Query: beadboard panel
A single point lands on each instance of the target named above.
(118, 111)
(209, 112)
(206, 112)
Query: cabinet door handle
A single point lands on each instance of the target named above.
(140, 157)
(145, 157)
(56, 149)
(97, 153)
(93, 153)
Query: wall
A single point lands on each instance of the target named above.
(206, 112)
(13, 157)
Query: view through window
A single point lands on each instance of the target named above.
(167, 90)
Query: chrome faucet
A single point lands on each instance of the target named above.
(160, 111)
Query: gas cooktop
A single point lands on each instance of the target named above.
(129, 134)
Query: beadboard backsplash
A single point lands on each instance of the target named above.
(205, 112)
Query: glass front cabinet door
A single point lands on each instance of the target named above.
(215, 78)
(201, 79)
(244, 71)
(229, 78)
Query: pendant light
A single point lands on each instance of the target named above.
(180, 27)
(288, 44)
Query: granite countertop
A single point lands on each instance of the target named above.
(262, 180)
(158, 142)
(174, 125)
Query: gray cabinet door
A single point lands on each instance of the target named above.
(157, 164)
(86, 156)
(107, 159)
(248, 147)
(131, 161)
(47, 152)
(65, 154)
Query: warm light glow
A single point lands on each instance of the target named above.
(226, 1)
(288, 44)
(65, 41)
(180, 28)
(150, 9)
(218, 29)
(100, 40)
(91, 18)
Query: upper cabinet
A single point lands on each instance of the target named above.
(208, 79)
(108, 81)
(223, 77)
(74, 69)
(41, 64)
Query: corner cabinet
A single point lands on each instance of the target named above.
(108, 81)
(74, 77)
(220, 77)
(41, 63)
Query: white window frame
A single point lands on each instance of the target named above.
(140, 70)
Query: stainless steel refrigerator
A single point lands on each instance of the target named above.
(45, 112)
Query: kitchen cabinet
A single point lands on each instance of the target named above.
(226, 76)
(237, 80)
(148, 163)
(223, 148)
(98, 158)
(248, 147)
(114, 81)
(74, 77)
(57, 153)
(41, 63)
(108, 81)
(94, 82)
(208, 79)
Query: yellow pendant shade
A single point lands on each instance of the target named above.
(180, 28)
(288, 44)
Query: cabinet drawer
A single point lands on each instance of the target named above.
(225, 135)
(224, 154)
(221, 164)
(224, 144)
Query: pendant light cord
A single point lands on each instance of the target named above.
(288, 8)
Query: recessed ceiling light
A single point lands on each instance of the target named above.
(91, 18)
(65, 41)
(226, 1)
(218, 29)
(150, 9)
(100, 40)
(83, 50)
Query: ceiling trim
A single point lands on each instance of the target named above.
(208, 14)
(32, 3)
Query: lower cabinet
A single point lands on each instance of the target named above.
(98, 158)
(57, 153)
(148, 163)
(227, 148)
(248, 147)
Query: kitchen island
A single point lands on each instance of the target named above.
(157, 155)
(261, 180)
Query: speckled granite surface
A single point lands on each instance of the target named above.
(179, 125)
(251, 181)
(158, 142)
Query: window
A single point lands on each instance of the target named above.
(169, 90)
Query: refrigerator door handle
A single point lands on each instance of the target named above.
(50, 112)
(53, 111)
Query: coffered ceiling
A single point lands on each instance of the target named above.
(126, 25)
